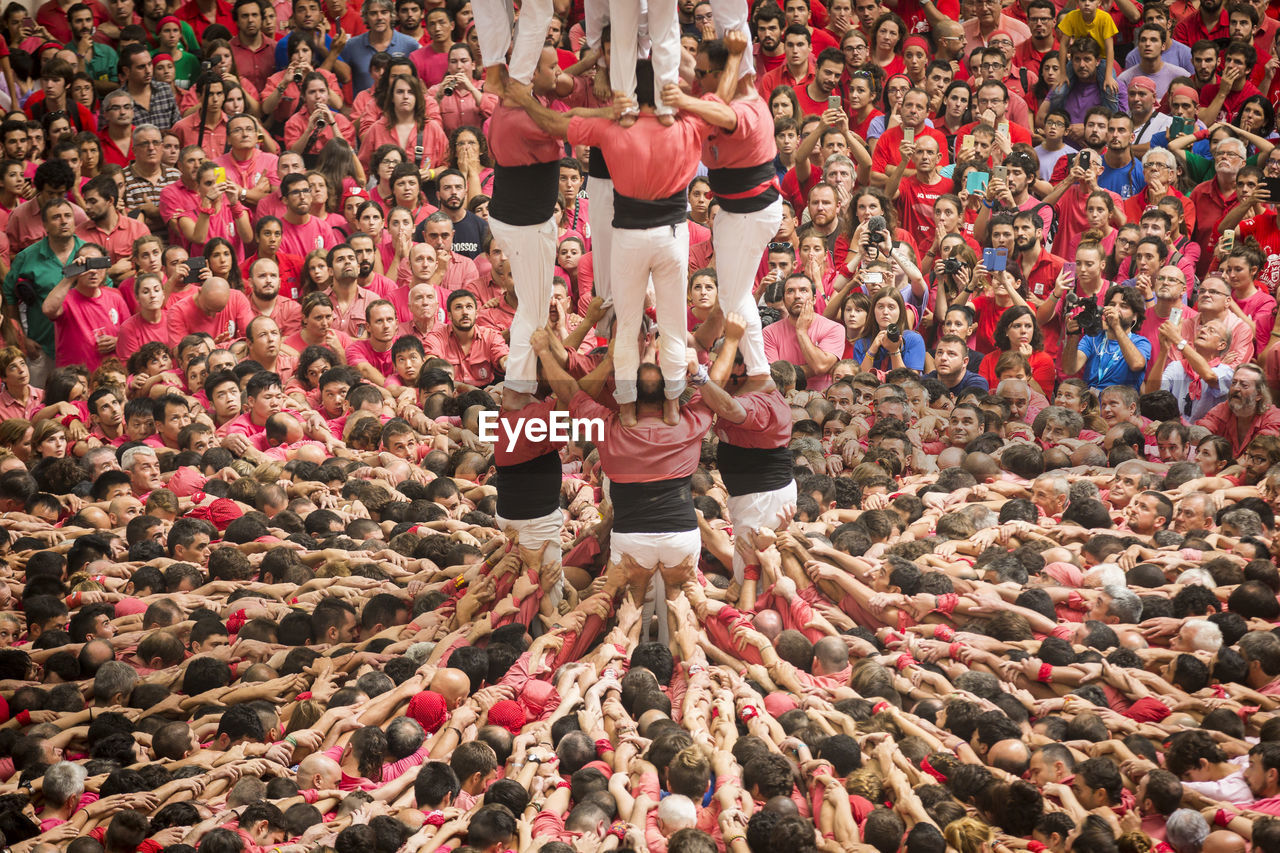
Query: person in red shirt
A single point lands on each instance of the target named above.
(769, 52)
(1210, 22)
(1222, 99)
(201, 13)
(889, 147)
(917, 193)
(797, 70)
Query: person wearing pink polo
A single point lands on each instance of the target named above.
(215, 309)
(651, 162)
(307, 131)
(303, 233)
(350, 301)
(264, 396)
(150, 323)
(372, 356)
(107, 227)
(426, 321)
(53, 179)
(86, 317)
(264, 339)
(525, 188)
(477, 354)
(803, 337)
(459, 270)
(247, 165)
(265, 299)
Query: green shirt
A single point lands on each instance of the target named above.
(42, 266)
(103, 64)
(1200, 169)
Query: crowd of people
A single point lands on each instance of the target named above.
(587, 425)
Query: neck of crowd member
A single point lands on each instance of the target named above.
(61, 245)
(254, 43)
(464, 336)
(1117, 157)
(346, 291)
(151, 315)
(264, 306)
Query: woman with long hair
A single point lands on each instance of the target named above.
(854, 314)
(784, 103)
(83, 92)
(887, 341)
(324, 200)
(863, 91)
(459, 99)
(220, 256)
(469, 154)
(406, 192)
(1050, 75)
(18, 398)
(405, 123)
(1075, 395)
(1257, 116)
(887, 34)
(895, 89)
(315, 122)
(316, 275)
(282, 93)
(15, 437)
(1099, 208)
(1017, 331)
(381, 166)
(222, 66)
(956, 111)
(341, 169)
(48, 441)
(866, 203)
(399, 241)
(316, 329)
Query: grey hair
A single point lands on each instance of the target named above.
(370, 4)
(1205, 636)
(1245, 521)
(1083, 490)
(836, 159)
(1208, 505)
(113, 677)
(419, 652)
(1125, 604)
(63, 781)
(1057, 482)
(1161, 154)
(117, 95)
(1235, 143)
(131, 455)
(144, 128)
(1186, 830)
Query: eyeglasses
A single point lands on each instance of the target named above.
(1221, 293)
(781, 247)
(299, 191)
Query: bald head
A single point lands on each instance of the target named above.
(214, 295)
(453, 684)
(768, 622)
(1011, 756)
(830, 655)
(319, 772)
(1223, 841)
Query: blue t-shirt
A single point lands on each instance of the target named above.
(912, 352)
(1104, 361)
(1126, 181)
(357, 54)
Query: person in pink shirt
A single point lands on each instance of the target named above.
(53, 179)
(317, 327)
(149, 323)
(651, 162)
(215, 309)
(303, 233)
(210, 130)
(183, 195)
(404, 120)
(86, 317)
(247, 165)
(218, 212)
(307, 131)
(264, 339)
(478, 354)
(106, 227)
(372, 356)
(265, 298)
(809, 341)
(466, 105)
(455, 271)
(18, 398)
(350, 302)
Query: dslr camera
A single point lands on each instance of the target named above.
(893, 333)
(1086, 313)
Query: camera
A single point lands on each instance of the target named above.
(893, 333)
(1086, 313)
(297, 76)
(321, 121)
(951, 266)
(447, 89)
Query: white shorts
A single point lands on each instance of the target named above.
(650, 549)
(759, 509)
(535, 531)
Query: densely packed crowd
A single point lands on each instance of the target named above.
(579, 425)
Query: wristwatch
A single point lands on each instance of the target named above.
(243, 194)
(1182, 345)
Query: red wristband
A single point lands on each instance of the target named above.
(953, 650)
(1036, 847)
(602, 746)
(1046, 672)
(947, 603)
(904, 660)
(751, 573)
(618, 829)
(943, 633)
(23, 718)
(435, 819)
(1221, 818)
(749, 712)
(879, 707)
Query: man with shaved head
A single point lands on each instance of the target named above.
(215, 309)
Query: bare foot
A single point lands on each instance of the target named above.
(671, 412)
(627, 414)
(627, 119)
(666, 119)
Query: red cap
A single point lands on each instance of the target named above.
(161, 57)
(429, 709)
(507, 714)
(916, 41)
(168, 19)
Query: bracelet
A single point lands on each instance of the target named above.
(953, 650)
(291, 740)
(1046, 673)
(1221, 818)
(700, 378)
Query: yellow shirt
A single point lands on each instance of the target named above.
(1101, 28)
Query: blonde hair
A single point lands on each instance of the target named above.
(968, 835)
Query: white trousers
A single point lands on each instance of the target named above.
(495, 20)
(533, 533)
(748, 512)
(648, 550)
(739, 239)
(600, 217)
(531, 250)
(663, 253)
(731, 15)
(626, 19)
